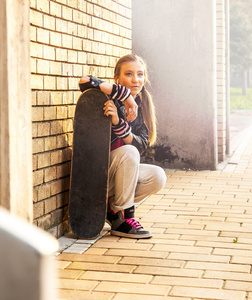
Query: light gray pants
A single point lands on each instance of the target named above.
(130, 181)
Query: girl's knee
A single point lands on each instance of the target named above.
(159, 178)
(131, 153)
(126, 154)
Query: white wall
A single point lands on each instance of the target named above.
(178, 41)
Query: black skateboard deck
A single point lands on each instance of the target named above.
(90, 162)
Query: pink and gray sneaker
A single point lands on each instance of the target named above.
(124, 224)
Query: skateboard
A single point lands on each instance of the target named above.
(90, 162)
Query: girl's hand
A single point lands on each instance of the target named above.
(84, 79)
(111, 110)
(131, 108)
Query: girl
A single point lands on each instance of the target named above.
(133, 131)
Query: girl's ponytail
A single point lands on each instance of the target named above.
(149, 116)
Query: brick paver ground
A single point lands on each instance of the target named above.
(201, 247)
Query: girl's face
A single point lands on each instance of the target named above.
(132, 76)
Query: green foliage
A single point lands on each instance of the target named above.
(239, 101)
(240, 35)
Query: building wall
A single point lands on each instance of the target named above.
(221, 77)
(69, 38)
(182, 65)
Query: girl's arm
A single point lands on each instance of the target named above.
(129, 139)
(107, 88)
(138, 135)
(139, 138)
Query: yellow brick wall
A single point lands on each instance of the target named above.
(221, 78)
(69, 38)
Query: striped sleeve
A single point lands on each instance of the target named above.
(122, 130)
(119, 92)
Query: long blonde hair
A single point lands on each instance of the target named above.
(148, 108)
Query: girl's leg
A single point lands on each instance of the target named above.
(123, 176)
(151, 179)
(127, 178)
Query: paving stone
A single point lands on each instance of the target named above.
(132, 288)
(89, 258)
(238, 285)
(235, 244)
(185, 249)
(61, 264)
(216, 209)
(217, 266)
(184, 281)
(168, 271)
(167, 241)
(231, 215)
(199, 257)
(241, 260)
(100, 267)
(139, 261)
(75, 294)
(117, 277)
(167, 220)
(136, 253)
(77, 248)
(160, 219)
(65, 242)
(220, 251)
(207, 238)
(82, 241)
(158, 233)
(69, 274)
(228, 275)
(205, 293)
(113, 245)
(127, 240)
(245, 241)
(77, 284)
(193, 232)
(95, 251)
(144, 297)
(238, 234)
(181, 227)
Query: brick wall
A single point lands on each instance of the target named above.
(69, 38)
(221, 78)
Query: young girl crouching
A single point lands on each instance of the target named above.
(133, 129)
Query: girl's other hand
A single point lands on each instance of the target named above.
(131, 108)
(111, 110)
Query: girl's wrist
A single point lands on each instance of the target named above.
(122, 129)
(93, 82)
(115, 121)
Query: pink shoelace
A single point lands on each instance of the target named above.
(134, 223)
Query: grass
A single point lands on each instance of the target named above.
(238, 101)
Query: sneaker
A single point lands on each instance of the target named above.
(125, 225)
